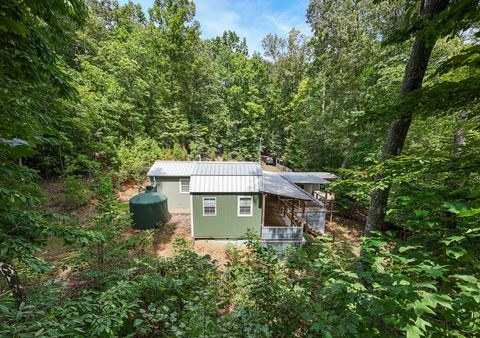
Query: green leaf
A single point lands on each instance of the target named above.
(409, 247)
(469, 213)
(377, 243)
(452, 239)
(401, 282)
(456, 252)
(422, 324)
(421, 213)
(404, 200)
(455, 207)
(466, 278)
(444, 300)
(428, 285)
(469, 231)
(9, 25)
(420, 308)
(413, 331)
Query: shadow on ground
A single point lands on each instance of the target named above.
(163, 236)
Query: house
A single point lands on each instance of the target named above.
(173, 179)
(226, 199)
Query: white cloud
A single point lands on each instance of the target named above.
(252, 19)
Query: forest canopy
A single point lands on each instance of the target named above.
(386, 94)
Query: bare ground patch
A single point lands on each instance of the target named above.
(347, 230)
(180, 226)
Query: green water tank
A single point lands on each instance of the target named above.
(149, 209)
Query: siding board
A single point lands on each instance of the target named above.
(170, 186)
(226, 224)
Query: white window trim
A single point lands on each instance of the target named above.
(203, 206)
(180, 185)
(191, 215)
(251, 206)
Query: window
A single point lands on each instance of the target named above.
(209, 206)
(184, 185)
(245, 206)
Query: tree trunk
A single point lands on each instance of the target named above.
(346, 159)
(13, 281)
(397, 132)
(458, 143)
(459, 136)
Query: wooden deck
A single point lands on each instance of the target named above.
(273, 217)
(277, 230)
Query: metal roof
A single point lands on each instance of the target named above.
(321, 174)
(239, 177)
(225, 184)
(275, 184)
(304, 178)
(228, 169)
(190, 168)
(172, 168)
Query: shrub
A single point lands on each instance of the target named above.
(135, 158)
(75, 192)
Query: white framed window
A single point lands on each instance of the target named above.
(209, 206)
(245, 206)
(184, 184)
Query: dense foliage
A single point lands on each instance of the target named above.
(92, 92)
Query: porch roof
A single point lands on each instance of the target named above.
(275, 184)
(305, 178)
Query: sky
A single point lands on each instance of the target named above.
(250, 19)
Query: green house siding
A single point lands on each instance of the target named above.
(226, 223)
(170, 186)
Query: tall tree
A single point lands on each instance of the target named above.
(345, 48)
(426, 25)
(288, 60)
(30, 72)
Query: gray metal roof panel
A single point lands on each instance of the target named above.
(225, 184)
(304, 178)
(321, 174)
(275, 184)
(227, 169)
(172, 168)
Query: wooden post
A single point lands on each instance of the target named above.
(264, 197)
(303, 214)
(331, 211)
(293, 210)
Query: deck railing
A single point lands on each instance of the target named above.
(282, 233)
(292, 211)
(328, 199)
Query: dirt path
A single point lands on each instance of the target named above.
(347, 230)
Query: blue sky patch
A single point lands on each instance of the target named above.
(252, 19)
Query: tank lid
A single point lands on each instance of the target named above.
(148, 197)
